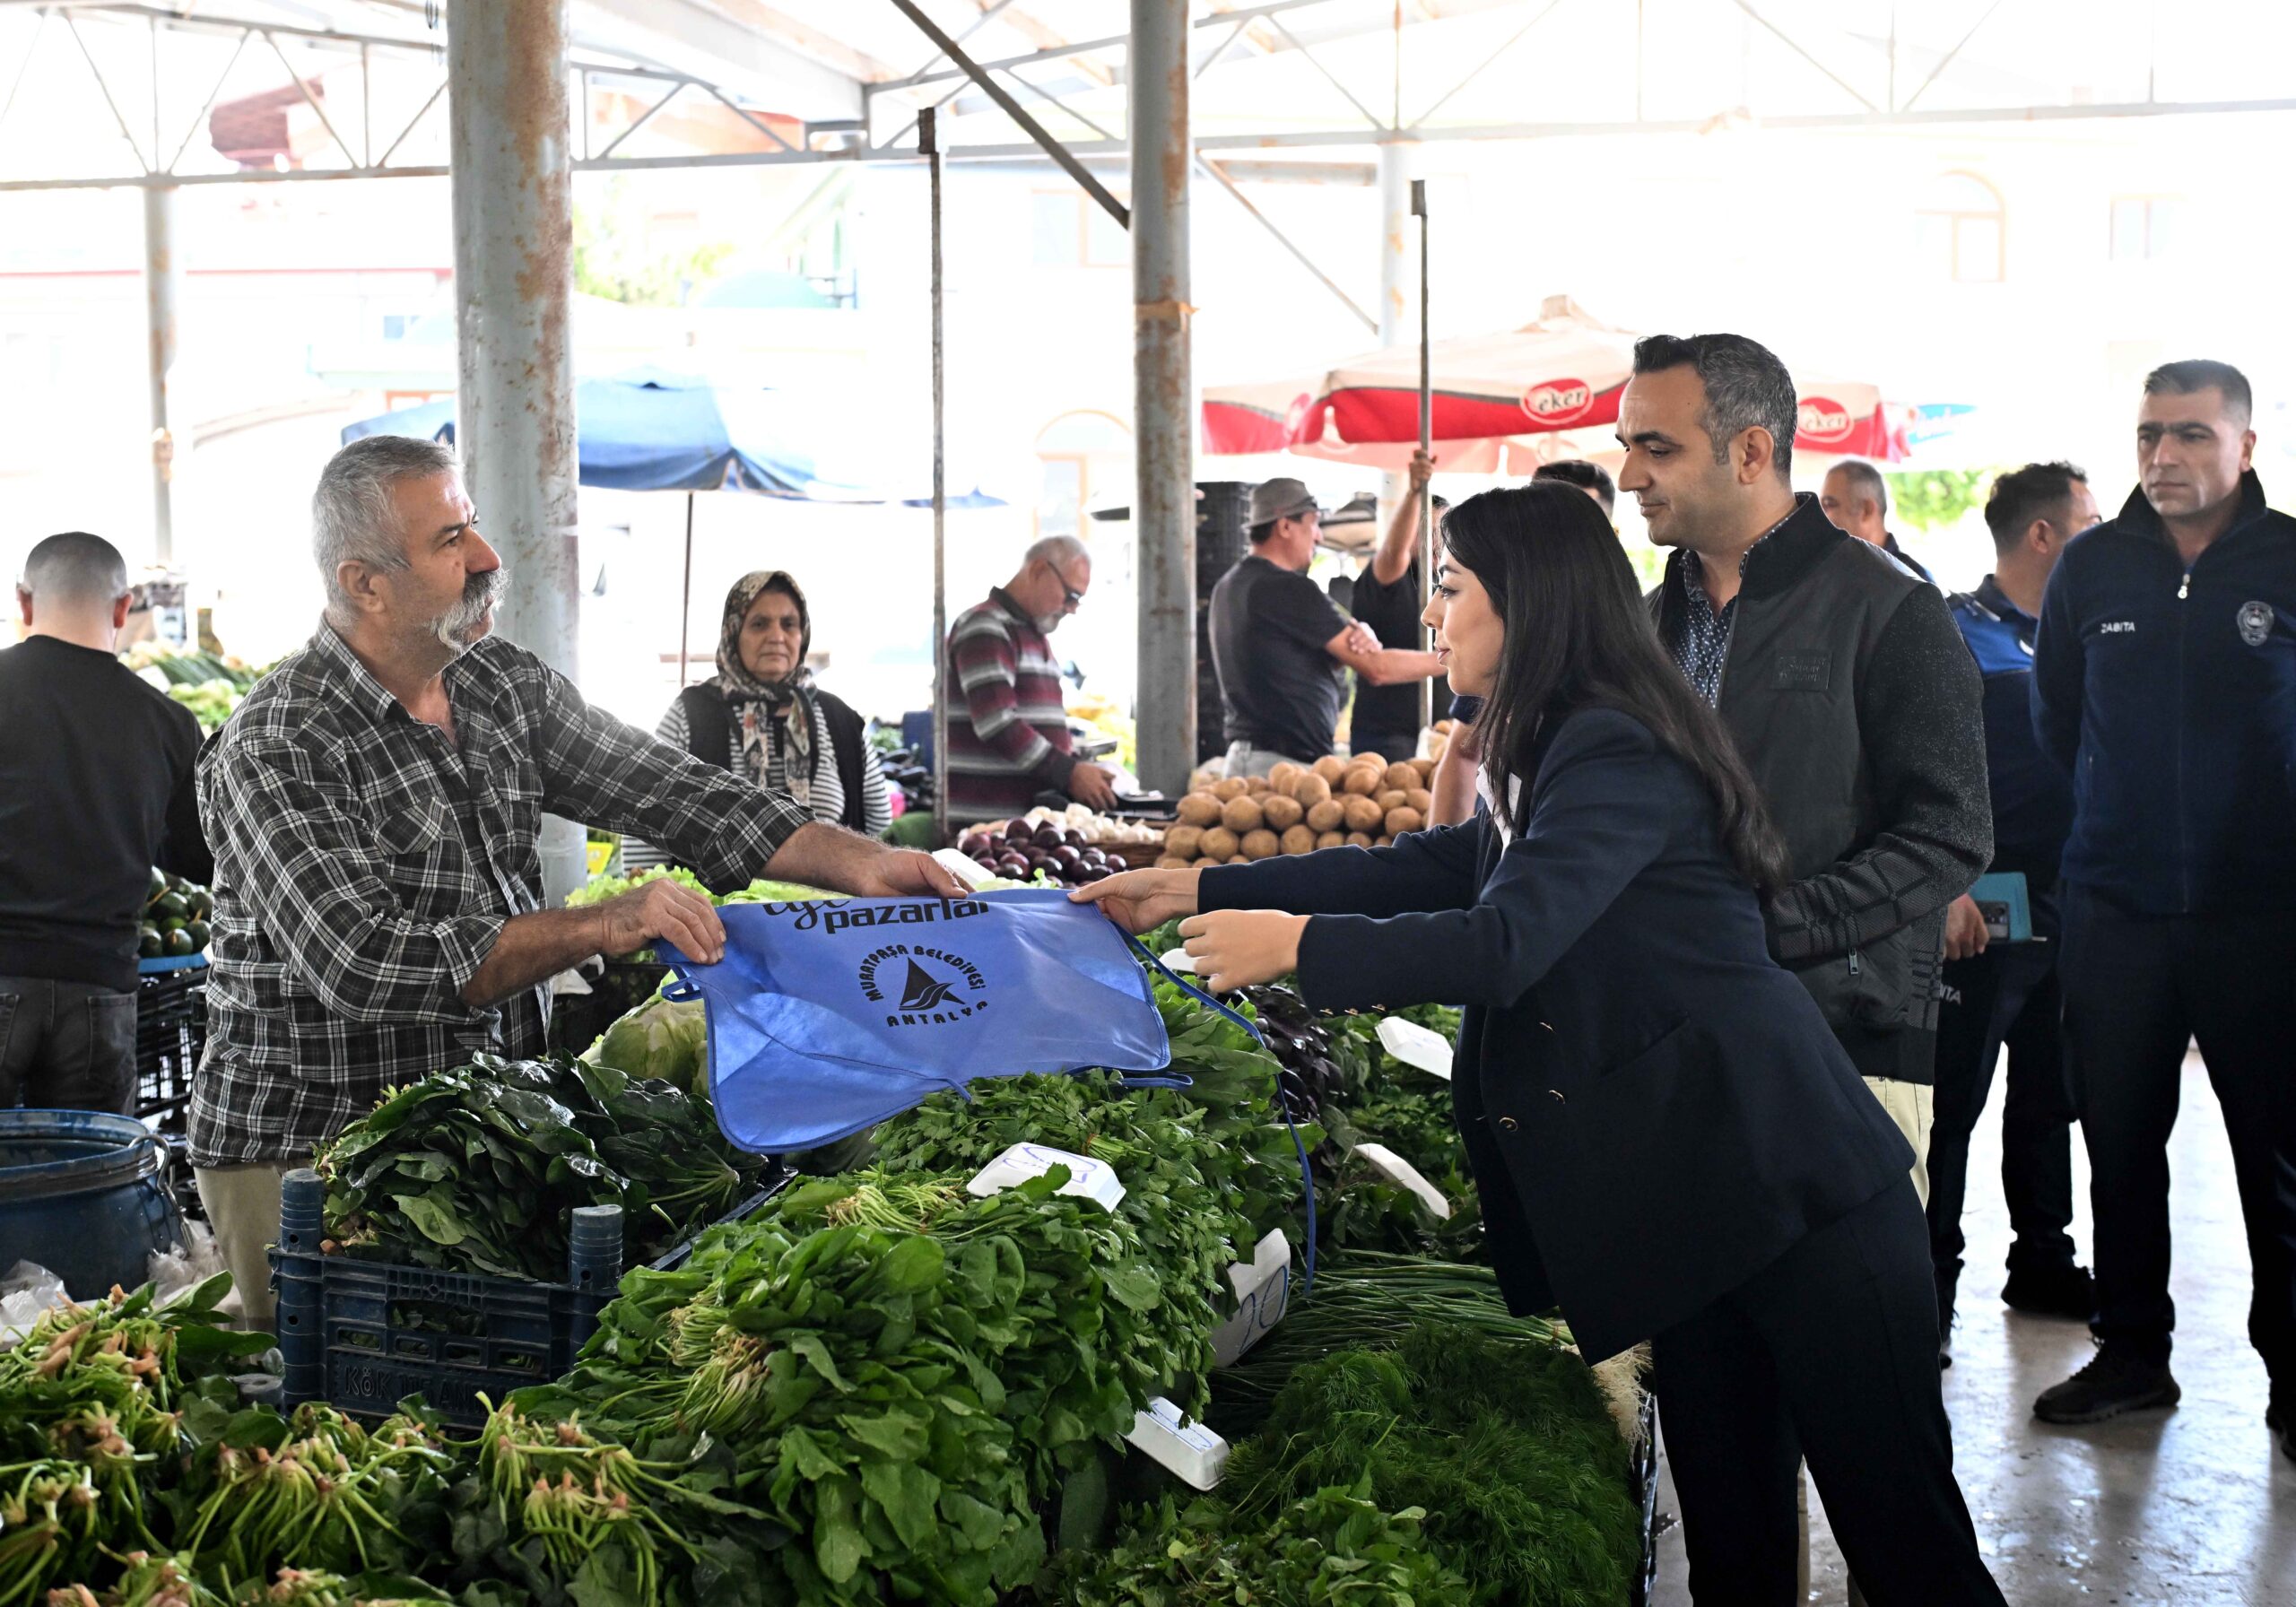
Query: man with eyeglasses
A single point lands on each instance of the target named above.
(1008, 725)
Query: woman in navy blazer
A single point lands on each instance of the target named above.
(1668, 1140)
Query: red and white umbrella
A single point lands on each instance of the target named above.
(1493, 395)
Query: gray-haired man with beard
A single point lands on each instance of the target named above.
(374, 805)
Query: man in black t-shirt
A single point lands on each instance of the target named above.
(1390, 594)
(95, 789)
(1282, 648)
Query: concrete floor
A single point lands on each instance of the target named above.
(2186, 1508)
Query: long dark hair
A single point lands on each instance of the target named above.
(1577, 636)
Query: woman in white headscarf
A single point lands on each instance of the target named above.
(761, 714)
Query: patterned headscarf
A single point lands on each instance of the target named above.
(759, 707)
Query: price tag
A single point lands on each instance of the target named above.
(1386, 1162)
(1415, 1046)
(1263, 1287)
(1192, 1451)
(1179, 963)
(1093, 1180)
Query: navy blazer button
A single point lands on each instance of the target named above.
(1546, 1026)
(1558, 1096)
(1507, 1124)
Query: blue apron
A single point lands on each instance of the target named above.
(829, 1016)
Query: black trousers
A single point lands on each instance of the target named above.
(2137, 989)
(1828, 1354)
(2006, 997)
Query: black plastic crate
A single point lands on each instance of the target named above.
(170, 1036)
(576, 1020)
(363, 1335)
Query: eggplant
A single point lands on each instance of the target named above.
(1019, 828)
(1074, 839)
(1068, 859)
(973, 844)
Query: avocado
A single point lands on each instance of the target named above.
(202, 902)
(179, 943)
(149, 944)
(171, 906)
(197, 932)
(159, 884)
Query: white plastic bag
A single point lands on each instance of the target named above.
(28, 1290)
(177, 1272)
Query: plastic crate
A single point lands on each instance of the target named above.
(170, 1036)
(576, 1020)
(363, 1334)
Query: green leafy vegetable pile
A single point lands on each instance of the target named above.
(92, 1405)
(851, 1374)
(1506, 1447)
(1332, 1549)
(879, 1388)
(479, 1169)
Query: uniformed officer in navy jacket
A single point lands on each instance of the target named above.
(1667, 1139)
(2164, 681)
(2004, 995)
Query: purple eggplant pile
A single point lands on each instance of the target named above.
(1303, 1044)
(1018, 849)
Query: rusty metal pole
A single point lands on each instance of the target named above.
(1397, 158)
(1164, 516)
(928, 141)
(162, 290)
(506, 88)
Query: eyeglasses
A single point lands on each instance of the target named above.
(1071, 597)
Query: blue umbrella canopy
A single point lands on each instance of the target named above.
(654, 431)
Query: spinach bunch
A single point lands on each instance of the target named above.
(848, 1374)
(1070, 1311)
(479, 1169)
(1179, 1198)
(91, 1419)
(1335, 1548)
(315, 1489)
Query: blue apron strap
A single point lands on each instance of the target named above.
(679, 988)
(1307, 1178)
(1193, 991)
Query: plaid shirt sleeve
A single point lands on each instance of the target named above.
(316, 877)
(596, 770)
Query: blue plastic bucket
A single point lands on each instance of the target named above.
(84, 1194)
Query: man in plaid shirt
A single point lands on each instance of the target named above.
(374, 805)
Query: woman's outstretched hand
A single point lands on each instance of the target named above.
(1237, 948)
(1141, 900)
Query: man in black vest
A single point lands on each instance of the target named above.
(2164, 682)
(1849, 691)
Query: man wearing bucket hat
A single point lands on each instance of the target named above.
(1283, 647)
(375, 806)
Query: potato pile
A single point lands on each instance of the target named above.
(1298, 809)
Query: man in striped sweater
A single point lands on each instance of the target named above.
(1008, 729)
